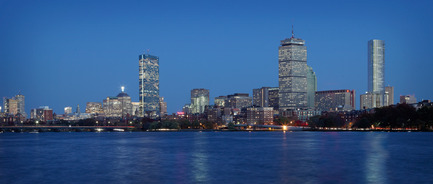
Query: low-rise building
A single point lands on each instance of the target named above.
(260, 115)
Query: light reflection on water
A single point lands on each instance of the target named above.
(200, 159)
(216, 157)
(377, 156)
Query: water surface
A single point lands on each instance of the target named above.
(216, 157)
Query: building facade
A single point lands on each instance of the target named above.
(239, 100)
(135, 108)
(112, 107)
(292, 64)
(311, 87)
(125, 104)
(389, 94)
(335, 100)
(274, 98)
(261, 97)
(220, 101)
(15, 105)
(199, 100)
(43, 113)
(149, 85)
(68, 110)
(162, 106)
(93, 108)
(408, 99)
(260, 115)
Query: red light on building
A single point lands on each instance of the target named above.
(180, 113)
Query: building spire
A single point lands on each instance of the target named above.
(293, 34)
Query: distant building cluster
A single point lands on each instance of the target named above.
(296, 97)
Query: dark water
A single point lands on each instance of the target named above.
(217, 157)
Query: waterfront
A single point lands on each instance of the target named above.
(216, 157)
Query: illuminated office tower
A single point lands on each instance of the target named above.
(199, 99)
(376, 66)
(292, 64)
(149, 85)
(375, 96)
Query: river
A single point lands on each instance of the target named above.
(216, 157)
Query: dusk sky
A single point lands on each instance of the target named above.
(64, 53)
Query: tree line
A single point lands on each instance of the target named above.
(389, 117)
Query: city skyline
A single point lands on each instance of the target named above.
(61, 55)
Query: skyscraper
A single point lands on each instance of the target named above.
(375, 96)
(376, 66)
(149, 85)
(311, 87)
(292, 64)
(199, 99)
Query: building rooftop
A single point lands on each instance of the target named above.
(122, 94)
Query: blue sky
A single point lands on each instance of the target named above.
(64, 53)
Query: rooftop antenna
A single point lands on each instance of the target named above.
(293, 34)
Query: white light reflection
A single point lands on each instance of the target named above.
(376, 159)
(200, 159)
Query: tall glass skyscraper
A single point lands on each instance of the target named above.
(292, 64)
(149, 86)
(376, 66)
(375, 96)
